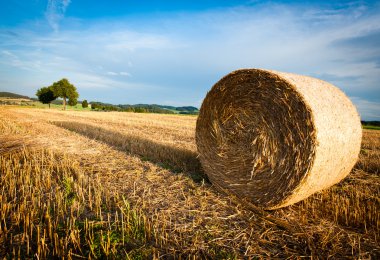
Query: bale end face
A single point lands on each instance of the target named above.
(261, 135)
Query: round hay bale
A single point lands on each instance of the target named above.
(276, 138)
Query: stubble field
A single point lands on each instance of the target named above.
(124, 185)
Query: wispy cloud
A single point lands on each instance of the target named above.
(9, 58)
(121, 73)
(124, 73)
(55, 12)
(368, 110)
(130, 41)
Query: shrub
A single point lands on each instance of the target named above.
(84, 103)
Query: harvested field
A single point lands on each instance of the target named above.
(126, 185)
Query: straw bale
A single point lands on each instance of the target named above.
(275, 138)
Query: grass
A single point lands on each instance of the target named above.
(371, 127)
(79, 184)
(36, 104)
(77, 107)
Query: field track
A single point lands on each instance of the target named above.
(151, 161)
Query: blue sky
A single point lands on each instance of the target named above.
(172, 52)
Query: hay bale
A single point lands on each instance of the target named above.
(276, 138)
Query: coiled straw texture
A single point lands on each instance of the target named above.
(276, 138)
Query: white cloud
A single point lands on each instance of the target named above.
(124, 40)
(124, 73)
(11, 59)
(91, 80)
(9, 54)
(121, 73)
(55, 12)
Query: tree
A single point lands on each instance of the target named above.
(84, 103)
(140, 110)
(46, 95)
(72, 102)
(65, 89)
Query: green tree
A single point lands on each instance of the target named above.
(46, 95)
(84, 103)
(72, 102)
(65, 90)
(140, 110)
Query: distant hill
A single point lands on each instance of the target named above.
(12, 95)
(371, 123)
(150, 108)
(9, 98)
(183, 109)
(188, 109)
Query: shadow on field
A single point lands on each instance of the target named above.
(166, 156)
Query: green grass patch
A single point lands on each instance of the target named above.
(37, 104)
(371, 127)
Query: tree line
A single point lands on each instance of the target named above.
(68, 92)
(130, 108)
